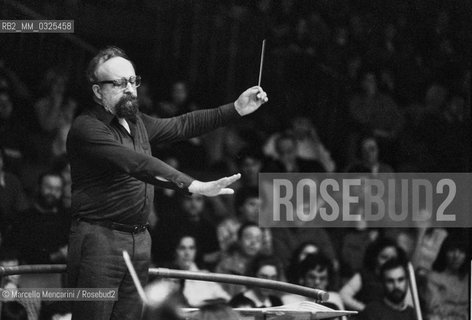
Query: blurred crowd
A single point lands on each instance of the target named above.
(397, 95)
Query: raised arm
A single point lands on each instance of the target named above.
(90, 139)
(188, 125)
(196, 123)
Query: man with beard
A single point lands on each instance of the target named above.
(41, 231)
(393, 305)
(113, 177)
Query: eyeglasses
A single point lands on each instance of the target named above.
(123, 82)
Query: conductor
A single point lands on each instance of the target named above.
(113, 178)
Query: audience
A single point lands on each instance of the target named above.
(41, 232)
(357, 87)
(264, 267)
(366, 286)
(195, 293)
(239, 256)
(394, 277)
(447, 292)
(316, 271)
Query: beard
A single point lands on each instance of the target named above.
(127, 107)
(48, 201)
(396, 296)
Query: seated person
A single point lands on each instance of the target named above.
(195, 293)
(238, 258)
(393, 305)
(264, 267)
(316, 271)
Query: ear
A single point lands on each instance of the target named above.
(97, 91)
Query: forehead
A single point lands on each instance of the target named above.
(388, 251)
(52, 180)
(115, 68)
(395, 273)
(252, 231)
(187, 241)
(318, 272)
(268, 269)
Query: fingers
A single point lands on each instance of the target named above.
(223, 182)
(226, 191)
(259, 92)
(262, 96)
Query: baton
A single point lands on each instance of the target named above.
(262, 63)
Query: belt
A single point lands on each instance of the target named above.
(135, 228)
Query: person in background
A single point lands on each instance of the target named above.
(55, 111)
(250, 161)
(393, 305)
(316, 271)
(365, 285)
(179, 103)
(369, 157)
(12, 197)
(239, 256)
(447, 292)
(41, 231)
(247, 206)
(299, 254)
(195, 293)
(309, 145)
(263, 267)
(287, 158)
(191, 217)
(14, 137)
(287, 240)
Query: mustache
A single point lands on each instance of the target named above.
(127, 107)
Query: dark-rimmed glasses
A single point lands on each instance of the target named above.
(123, 82)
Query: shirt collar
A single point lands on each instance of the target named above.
(101, 114)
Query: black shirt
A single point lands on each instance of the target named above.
(113, 171)
(379, 310)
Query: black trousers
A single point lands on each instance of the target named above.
(95, 260)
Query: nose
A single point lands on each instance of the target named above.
(130, 87)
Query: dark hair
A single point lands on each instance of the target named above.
(264, 260)
(451, 243)
(317, 261)
(101, 57)
(178, 240)
(294, 265)
(244, 227)
(243, 194)
(13, 310)
(391, 265)
(373, 250)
